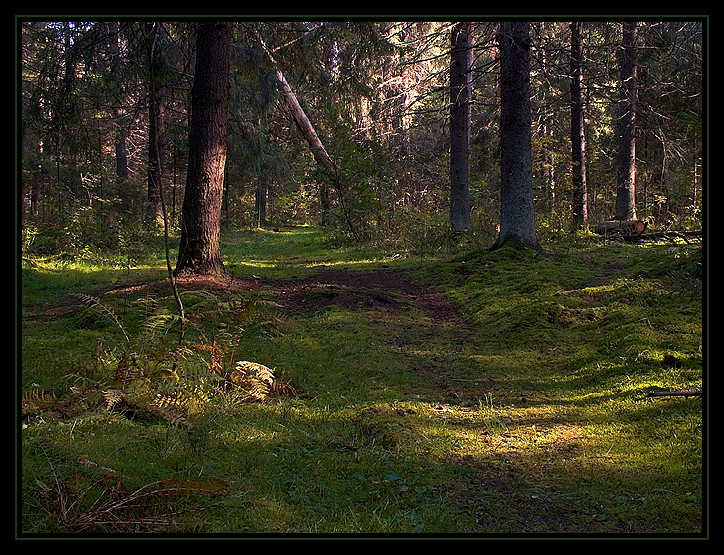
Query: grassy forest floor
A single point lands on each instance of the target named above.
(482, 392)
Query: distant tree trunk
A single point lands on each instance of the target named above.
(121, 152)
(35, 198)
(201, 213)
(35, 188)
(156, 127)
(626, 186)
(517, 218)
(262, 189)
(324, 204)
(173, 194)
(578, 136)
(550, 162)
(695, 151)
(460, 98)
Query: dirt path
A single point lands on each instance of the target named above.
(388, 289)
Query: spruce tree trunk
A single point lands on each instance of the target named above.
(201, 213)
(517, 217)
(578, 137)
(460, 98)
(626, 186)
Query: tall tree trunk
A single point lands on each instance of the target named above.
(199, 247)
(517, 217)
(461, 62)
(156, 127)
(626, 186)
(578, 136)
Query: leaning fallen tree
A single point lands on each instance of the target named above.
(305, 127)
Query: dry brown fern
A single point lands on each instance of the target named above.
(282, 387)
(37, 400)
(217, 350)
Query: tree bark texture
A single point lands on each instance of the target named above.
(156, 127)
(460, 98)
(578, 137)
(626, 186)
(517, 218)
(201, 213)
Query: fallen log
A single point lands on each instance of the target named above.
(682, 393)
(636, 227)
(668, 235)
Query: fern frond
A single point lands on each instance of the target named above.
(171, 416)
(253, 378)
(112, 397)
(158, 324)
(94, 302)
(148, 304)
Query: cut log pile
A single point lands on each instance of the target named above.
(621, 226)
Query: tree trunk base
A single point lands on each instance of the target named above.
(515, 240)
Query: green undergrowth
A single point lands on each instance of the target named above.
(507, 395)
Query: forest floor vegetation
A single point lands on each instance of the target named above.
(475, 392)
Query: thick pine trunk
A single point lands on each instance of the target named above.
(201, 213)
(460, 98)
(517, 218)
(626, 187)
(578, 137)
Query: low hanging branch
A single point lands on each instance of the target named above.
(321, 156)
